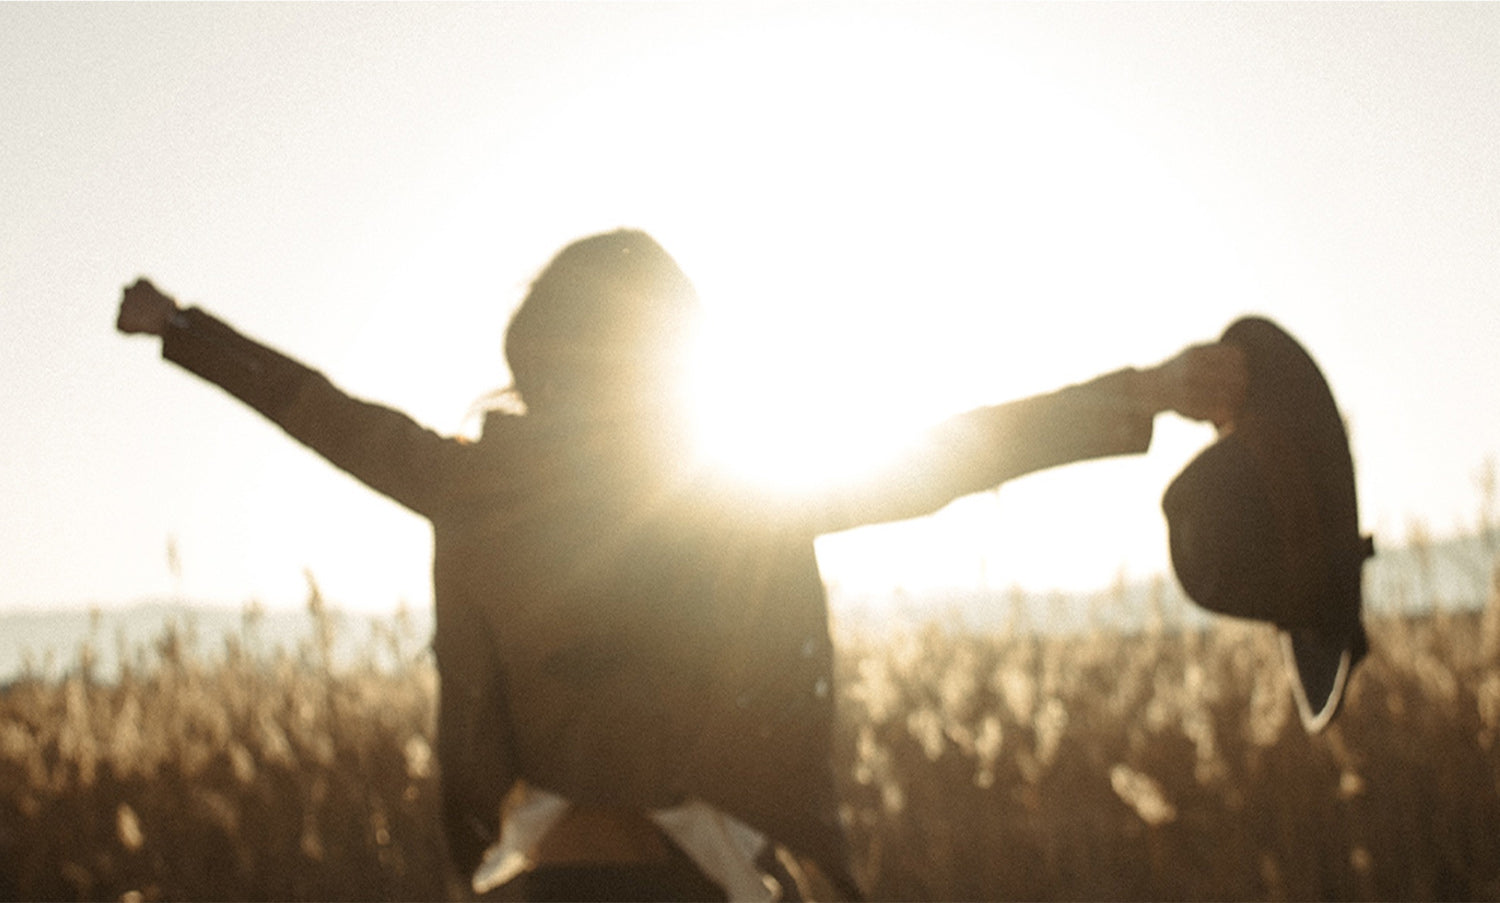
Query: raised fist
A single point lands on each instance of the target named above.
(144, 310)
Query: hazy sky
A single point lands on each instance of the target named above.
(947, 205)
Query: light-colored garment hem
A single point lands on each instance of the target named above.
(722, 846)
(526, 818)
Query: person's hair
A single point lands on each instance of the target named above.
(610, 314)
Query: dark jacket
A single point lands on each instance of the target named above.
(624, 632)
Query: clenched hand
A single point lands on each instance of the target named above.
(144, 310)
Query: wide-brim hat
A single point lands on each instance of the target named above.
(1264, 523)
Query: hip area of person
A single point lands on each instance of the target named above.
(552, 849)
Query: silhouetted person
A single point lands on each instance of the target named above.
(637, 678)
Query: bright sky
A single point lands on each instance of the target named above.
(954, 204)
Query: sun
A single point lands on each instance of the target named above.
(793, 406)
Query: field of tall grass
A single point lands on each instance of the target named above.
(1167, 764)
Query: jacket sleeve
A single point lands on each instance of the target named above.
(983, 448)
(383, 448)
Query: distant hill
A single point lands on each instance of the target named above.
(1454, 574)
(49, 643)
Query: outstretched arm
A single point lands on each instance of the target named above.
(383, 448)
(978, 450)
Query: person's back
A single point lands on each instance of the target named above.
(632, 618)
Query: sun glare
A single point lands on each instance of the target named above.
(788, 414)
(935, 231)
(889, 225)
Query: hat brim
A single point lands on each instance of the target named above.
(1318, 668)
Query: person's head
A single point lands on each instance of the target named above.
(604, 329)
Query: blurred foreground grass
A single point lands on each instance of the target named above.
(1162, 765)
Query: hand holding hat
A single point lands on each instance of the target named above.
(1203, 382)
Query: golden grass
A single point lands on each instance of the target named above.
(1166, 765)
